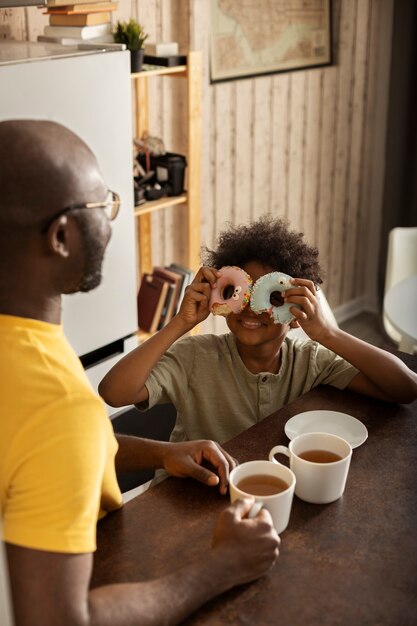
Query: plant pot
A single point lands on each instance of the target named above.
(136, 60)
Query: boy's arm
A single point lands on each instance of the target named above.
(381, 374)
(125, 382)
(242, 550)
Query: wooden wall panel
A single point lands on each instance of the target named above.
(13, 24)
(369, 121)
(311, 164)
(296, 131)
(223, 119)
(337, 226)
(375, 125)
(261, 148)
(307, 145)
(243, 151)
(279, 144)
(352, 197)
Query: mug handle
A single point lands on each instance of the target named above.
(278, 450)
(256, 507)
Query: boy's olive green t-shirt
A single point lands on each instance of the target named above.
(217, 397)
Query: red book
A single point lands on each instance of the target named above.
(151, 299)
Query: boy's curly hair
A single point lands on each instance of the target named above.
(270, 242)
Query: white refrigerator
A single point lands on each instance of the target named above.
(89, 91)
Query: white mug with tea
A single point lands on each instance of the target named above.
(272, 486)
(320, 462)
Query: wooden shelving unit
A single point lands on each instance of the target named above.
(191, 198)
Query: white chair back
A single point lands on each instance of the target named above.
(401, 264)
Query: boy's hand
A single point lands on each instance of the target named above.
(195, 305)
(310, 316)
(191, 458)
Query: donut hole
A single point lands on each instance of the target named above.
(228, 291)
(276, 298)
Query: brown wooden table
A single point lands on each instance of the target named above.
(352, 562)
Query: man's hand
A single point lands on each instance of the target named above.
(188, 458)
(249, 547)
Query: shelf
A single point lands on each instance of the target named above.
(161, 71)
(157, 205)
(142, 335)
(192, 128)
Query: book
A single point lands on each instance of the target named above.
(82, 19)
(70, 9)
(81, 32)
(161, 49)
(186, 278)
(151, 299)
(104, 42)
(167, 308)
(61, 3)
(174, 279)
(166, 61)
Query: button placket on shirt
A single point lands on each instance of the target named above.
(264, 396)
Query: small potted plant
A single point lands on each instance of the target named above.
(133, 35)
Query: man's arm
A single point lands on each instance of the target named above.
(125, 382)
(53, 588)
(381, 374)
(178, 459)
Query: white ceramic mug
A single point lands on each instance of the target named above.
(317, 482)
(278, 504)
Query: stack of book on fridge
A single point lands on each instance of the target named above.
(79, 21)
(160, 295)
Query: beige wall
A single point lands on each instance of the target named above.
(308, 145)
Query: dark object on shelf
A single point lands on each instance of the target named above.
(154, 193)
(139, 192)
(136, 60)
(169, 171)
(170, 61)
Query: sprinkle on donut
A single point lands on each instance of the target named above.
(232, 292)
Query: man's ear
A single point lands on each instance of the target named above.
(58, 236)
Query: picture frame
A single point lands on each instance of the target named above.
(259, 37)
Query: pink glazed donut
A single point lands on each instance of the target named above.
(231, 278)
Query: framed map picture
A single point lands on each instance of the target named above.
(251, 37)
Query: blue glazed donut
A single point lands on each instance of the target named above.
(260, 301)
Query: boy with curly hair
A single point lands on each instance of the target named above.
(222, 385)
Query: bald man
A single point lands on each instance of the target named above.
(57, 449)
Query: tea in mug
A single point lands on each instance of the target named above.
(262, 485)
(319, 456)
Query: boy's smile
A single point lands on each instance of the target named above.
(250, 324)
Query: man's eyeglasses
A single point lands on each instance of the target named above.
(110, 206)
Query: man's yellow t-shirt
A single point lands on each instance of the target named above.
(57, 448)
